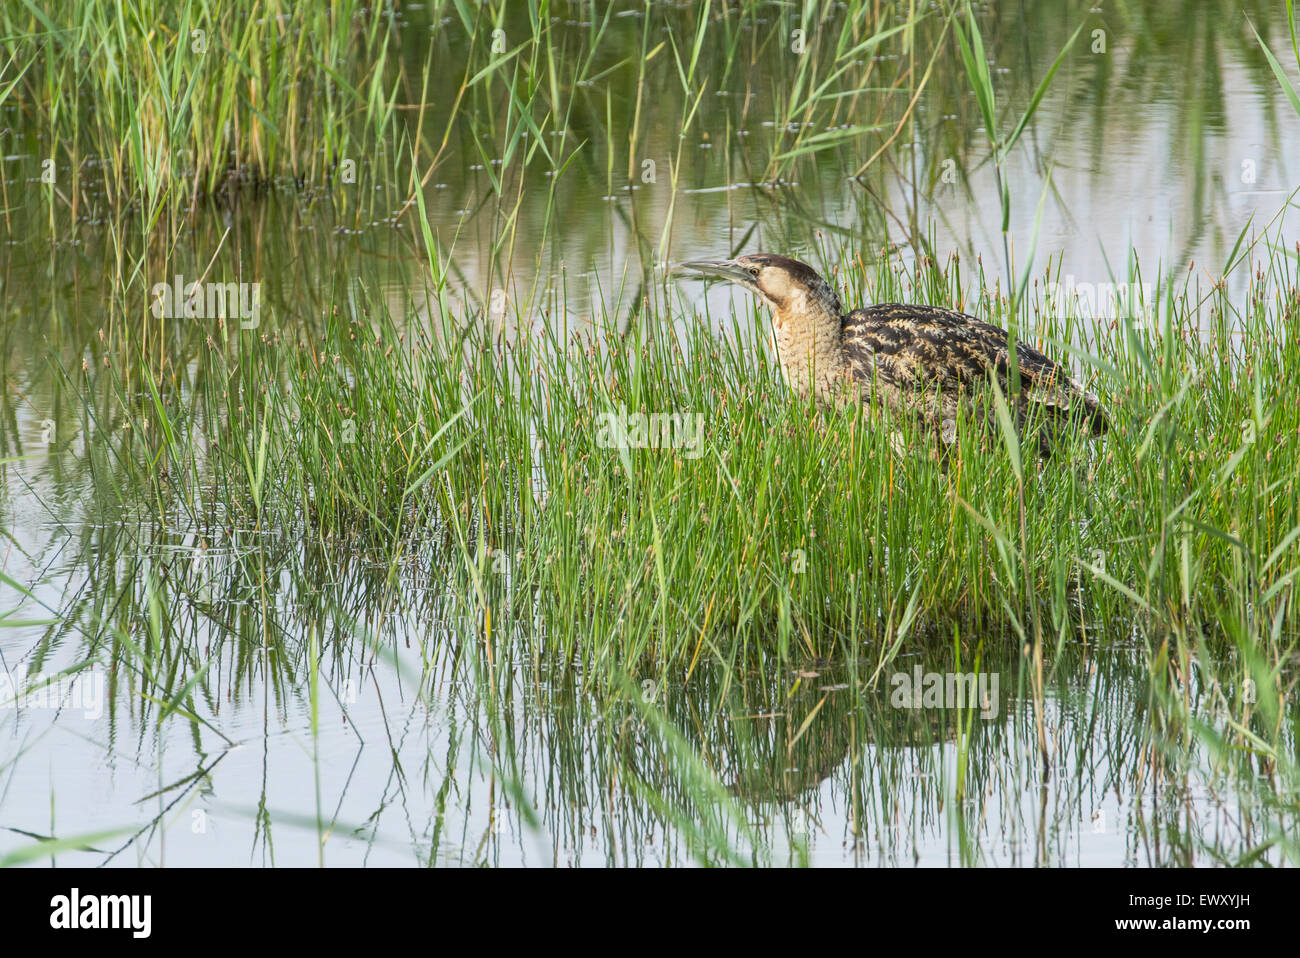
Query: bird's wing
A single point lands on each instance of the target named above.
(905, 346)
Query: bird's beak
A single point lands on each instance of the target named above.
(723, 269)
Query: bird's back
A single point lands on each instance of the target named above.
(930, 359)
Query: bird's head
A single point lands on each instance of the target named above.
(785, 284)
(806, 314)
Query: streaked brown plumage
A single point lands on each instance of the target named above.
(917, 360)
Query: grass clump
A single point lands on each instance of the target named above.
(158, 104)
(761, 516)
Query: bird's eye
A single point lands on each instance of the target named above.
(753, 271)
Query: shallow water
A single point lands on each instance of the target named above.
(1167, 144)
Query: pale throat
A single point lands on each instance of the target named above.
(806, 334)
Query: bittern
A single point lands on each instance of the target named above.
(920, 361)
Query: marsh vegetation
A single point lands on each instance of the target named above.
(368, 575)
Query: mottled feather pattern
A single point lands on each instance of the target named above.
(916, 360)
(927, 360)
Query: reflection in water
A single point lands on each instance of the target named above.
(1131, 151)
(432, 747)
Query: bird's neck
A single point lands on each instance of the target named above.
(806, 330)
